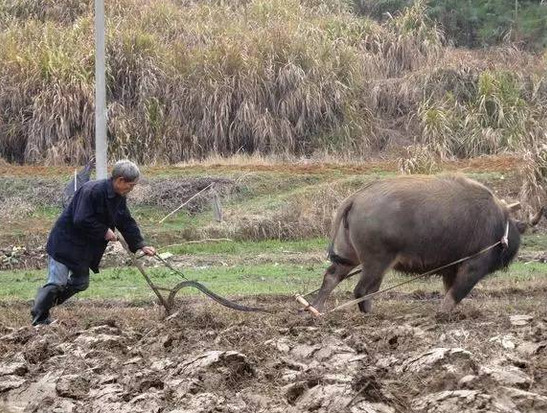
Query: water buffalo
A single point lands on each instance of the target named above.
(415, 224)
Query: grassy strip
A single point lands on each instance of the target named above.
(128, 284)
(245, 248)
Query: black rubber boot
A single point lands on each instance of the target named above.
(65, 294)
(45, 300)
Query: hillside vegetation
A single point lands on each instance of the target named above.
(189, 79)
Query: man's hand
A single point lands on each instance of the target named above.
(110, 235)
(150, 251)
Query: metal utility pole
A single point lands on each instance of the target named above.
(100, 92)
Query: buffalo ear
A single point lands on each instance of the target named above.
(521, 226)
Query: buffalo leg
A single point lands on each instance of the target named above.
(468, 275)
(333, 276)
(449, 276)
(372, 275)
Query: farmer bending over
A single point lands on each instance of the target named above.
(78, 240)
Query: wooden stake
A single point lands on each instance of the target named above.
(184, 203)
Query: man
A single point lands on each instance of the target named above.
(78, 240)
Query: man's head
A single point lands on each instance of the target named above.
(125, 176)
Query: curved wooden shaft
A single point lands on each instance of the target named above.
(140, 267)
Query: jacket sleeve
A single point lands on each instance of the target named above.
(130, 230)
(85, 216)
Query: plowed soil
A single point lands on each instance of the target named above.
(491, 356)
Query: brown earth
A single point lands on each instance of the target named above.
(479, 164)
(491, 356)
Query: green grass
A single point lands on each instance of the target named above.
(520, 271)
(248, 248)
(47, 212)
(534, 242)
(128, 283)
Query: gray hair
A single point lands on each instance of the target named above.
(127, 170)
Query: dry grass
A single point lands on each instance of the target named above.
(408, 42)
(61, 11)
(533, 175)
(286, 78)
(169, 194)
(183, 82)
(4, 163)
(419, 160)
(15, 208)
(305, 214)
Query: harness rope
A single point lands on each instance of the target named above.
(504, 241)
(299, 297)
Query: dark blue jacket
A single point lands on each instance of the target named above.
(77, 239)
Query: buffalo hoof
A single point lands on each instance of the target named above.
(365, 306)
(442, 317)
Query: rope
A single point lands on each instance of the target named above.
(504, 241)
(366, 297)
(351, 274)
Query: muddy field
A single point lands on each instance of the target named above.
(113, 357)
(123, 356)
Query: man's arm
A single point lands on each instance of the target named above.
(85, 215)
(130, 230)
